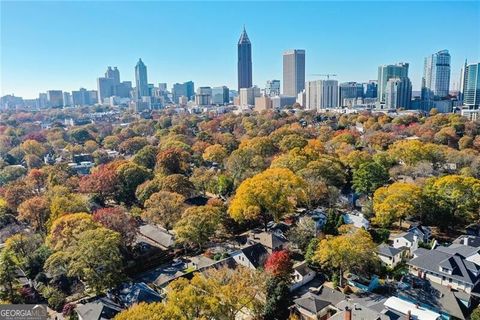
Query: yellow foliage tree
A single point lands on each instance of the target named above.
(351, 251)
(272, 193)
(396, 202)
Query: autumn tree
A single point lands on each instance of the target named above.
(396, 202)
(279, 264)
(116, 219)
(197, 225)
(143, 310)
(221, 294)
(453, 199)
(164, 208)
(272, 193)
(102, 182)
(351, 251)
(65, 202)
(66, 229)
(178, 183)
(215, 153)
(302, 233)
(35, 211)
(172, 161)
(132, 145)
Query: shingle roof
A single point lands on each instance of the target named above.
(358, 312)
(388, 251)
(256, 254)
(461, 268)
(311, 303)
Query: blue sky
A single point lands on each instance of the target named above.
(67, 45)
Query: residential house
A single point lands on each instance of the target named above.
(390, 256)
(409, 310)
(406, 240)
(311, 307)
(271, 241)
(350, 310)
(155, 236)
(99, 309)
(356, 219)
(456, 266)
(128, 294)
(252, 256)
(424, 233)
(302, 274)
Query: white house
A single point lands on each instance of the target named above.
(356, 219)
(252, 256)
(407, 240)
(302, 274)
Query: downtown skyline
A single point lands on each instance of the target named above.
(353, 58)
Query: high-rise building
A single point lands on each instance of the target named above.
(81, 97)
(105, 88)
(203, 96)
(67, 99)
(471, 86)
(436, 76)
(42, 100)
(162, 86)
(272, 88)
(371, 89)
(220, 95)
(244, 66)
(398, 93)
(113, 74)
(141, 82)
(321, 94)
(186, 89)
(293, 72)
(55, 98)
(247, 96)
(385, 73)
(349, 90)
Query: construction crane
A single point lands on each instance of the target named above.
(328, 75)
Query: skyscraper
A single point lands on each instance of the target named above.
(321, 94)
(186, 89)
(244, 66)
(398, 93)
(471, 86)
(293, 72)
(55, 98)
(436, 76)
(272, 88)
(385, 73)
(113, 74)
(349, 90)
(141, 82)
(220, 95)
(371, 89)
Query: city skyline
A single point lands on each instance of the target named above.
(77, 63)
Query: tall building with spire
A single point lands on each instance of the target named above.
(141, 82)
(244, 61)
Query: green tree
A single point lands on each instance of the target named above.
(369, 177)
(8, 274)
(164, 208)
(197, 225)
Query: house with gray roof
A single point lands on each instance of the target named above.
(390, 256)
(351, 310)
(456, 266)
(312, 307)
(252, 256)
(406, 240)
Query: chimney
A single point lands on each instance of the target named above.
(348, 314)
(409, 315)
